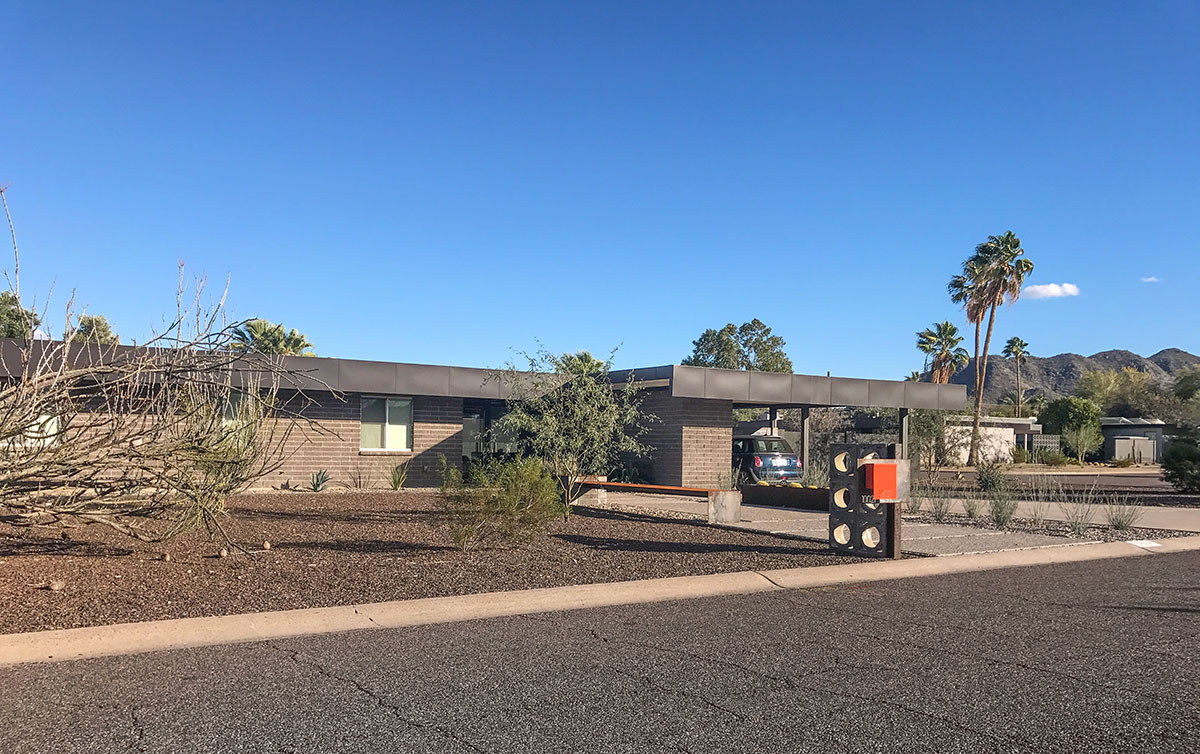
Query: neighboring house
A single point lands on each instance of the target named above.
(1139, 439)
(998, 436)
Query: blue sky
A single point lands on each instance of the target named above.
(445, 182)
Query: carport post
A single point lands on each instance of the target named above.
(804, 438)
(903, 434)
(774, 421)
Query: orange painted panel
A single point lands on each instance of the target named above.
(881, 481)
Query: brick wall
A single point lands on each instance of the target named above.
(692, 439)
(334, 446)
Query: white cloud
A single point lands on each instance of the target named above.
(1150, 279)
(1051, 290)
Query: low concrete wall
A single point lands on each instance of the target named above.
(787, 497)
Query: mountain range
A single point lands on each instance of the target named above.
(1056, 376)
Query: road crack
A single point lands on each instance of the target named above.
(395, 710)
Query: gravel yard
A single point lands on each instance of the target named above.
(347, 548)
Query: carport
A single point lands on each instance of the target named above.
(693, 437)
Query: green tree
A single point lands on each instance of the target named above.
(913, 376)
(93, 328)
(751, 347)
(262, 336)
(1083, 439)
(941, 345)
(15, 320)
(995, 273)
(1128, 392)
(1068, 413)
(576, 421)
(1017, 350)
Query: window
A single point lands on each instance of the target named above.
(40, 434)
(386, 424)
(772, 445)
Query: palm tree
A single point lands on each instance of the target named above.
(581, 363)
(994, 273)
(942, 344)
(262, 336)
(913, 376)
(1015, 349)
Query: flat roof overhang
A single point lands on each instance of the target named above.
(799, 390)
(751, 388)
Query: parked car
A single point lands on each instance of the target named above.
(764, 458)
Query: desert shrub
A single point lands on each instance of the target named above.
(1079, 509)
(1002, 506)
(991, 476)
(499, 502)
(1122, 511)
(398, 475)
(359, 477)
(1121, 463)
(1020, 455)
(1181, 461)
(318, 480)
(1053, 458)
(971, 505)
(939, 508)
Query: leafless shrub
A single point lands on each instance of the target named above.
(1122, 511)
(971, 504)
(940, 508)
(149, 440)
(1079, 509)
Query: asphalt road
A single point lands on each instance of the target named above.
(1101, 656)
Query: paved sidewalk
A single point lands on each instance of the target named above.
(917, 538)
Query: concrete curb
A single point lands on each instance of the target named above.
(183, 633)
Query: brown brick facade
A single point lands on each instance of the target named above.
(692, 439)
(334, 447)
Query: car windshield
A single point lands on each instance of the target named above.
(771, 445)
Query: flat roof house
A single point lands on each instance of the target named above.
(375, 414)
(385, 412)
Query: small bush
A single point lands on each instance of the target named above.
(500, 501)
(1122, 511)
(1002, 505)
(359, 477)
(318, 480)
(1121, 463)
(971, 505)
(1020, 455)
(939, 507)
(1181, 461)
(398, 475)
(1079, 510)
(991, 476)
(1053, 458)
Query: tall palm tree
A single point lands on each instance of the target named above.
(993, 274)
(1016, 349)
(941, 343)
(262, 336)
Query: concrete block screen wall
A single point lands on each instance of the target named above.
(334, 445)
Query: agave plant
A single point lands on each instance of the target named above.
(319, 480)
